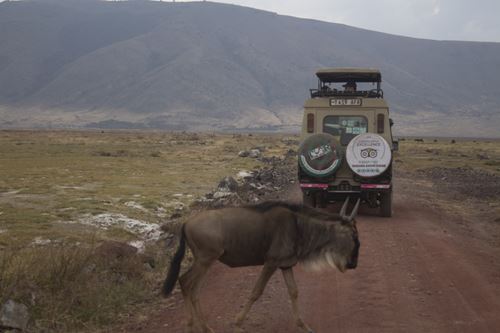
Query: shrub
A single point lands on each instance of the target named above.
(70, 287)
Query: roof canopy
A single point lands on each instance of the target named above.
(349, 74)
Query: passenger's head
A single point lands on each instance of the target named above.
(350, 86)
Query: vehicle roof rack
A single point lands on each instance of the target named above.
(349, 74)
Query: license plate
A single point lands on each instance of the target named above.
(345, 102)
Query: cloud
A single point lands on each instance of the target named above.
(433, 19)
(436, 8)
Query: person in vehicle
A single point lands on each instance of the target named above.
(350, 87)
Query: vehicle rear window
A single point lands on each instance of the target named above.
(345, 127)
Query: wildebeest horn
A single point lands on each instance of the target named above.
(354, 210)
(344, 208)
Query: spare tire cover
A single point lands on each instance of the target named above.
(319, 155)
(368, 155)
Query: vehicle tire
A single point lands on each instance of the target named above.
(319, 155)
(386, 204)
(309, 200)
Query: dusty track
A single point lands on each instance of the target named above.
(418, 272)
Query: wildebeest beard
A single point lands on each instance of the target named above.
(325, 243)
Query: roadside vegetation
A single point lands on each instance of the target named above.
(458, 177)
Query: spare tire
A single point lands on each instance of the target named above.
(319, 155)
(368, 155)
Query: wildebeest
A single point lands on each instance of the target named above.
(273, 234)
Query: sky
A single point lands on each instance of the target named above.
(471, 20)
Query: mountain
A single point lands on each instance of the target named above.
(204, 65)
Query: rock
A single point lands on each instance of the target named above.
(254, 153)
(227, 184)
(244, 153)
(259, 148)
(265, 175)
(222, 194)
(175, 215)
(14, 315)
(244, 174)
(39, 241)
(290, 142)
(139, 245)
(482, 157)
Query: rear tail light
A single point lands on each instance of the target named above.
(310, 123)
(380, 123)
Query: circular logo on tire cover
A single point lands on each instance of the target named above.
(368, 155)
(319, 155)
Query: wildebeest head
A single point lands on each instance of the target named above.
(337, 243)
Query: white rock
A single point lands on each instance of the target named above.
(254, 153)
(139, 245)
(135, 205)
(39, 241)
(244, 174)
(222, 194)
(146, 231)
(14, 315)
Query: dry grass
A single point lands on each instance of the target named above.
(70, 287)
(457, 176)
(56, 176)
(477, 154)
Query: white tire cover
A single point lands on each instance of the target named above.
(368, 155)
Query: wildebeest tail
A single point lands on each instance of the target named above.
(175, 265)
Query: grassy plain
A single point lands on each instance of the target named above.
(53, 176)
(460, 177)
(483, 154)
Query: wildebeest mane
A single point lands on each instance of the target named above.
(268, 205)
(265, 206)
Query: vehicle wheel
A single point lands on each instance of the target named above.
(386, 204)
(309, 200)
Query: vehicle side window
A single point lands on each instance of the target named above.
(345, 127)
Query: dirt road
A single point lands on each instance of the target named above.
(418, 272)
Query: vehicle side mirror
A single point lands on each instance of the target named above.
(395, 145)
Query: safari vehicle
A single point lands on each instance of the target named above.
(346, 143)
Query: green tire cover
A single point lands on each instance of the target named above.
(319, 155)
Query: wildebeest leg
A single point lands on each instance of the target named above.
(190, 284)
(185, 282)
(195, 296)
(294, 294)
(258, 289)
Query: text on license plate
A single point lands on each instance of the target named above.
(345, 101)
